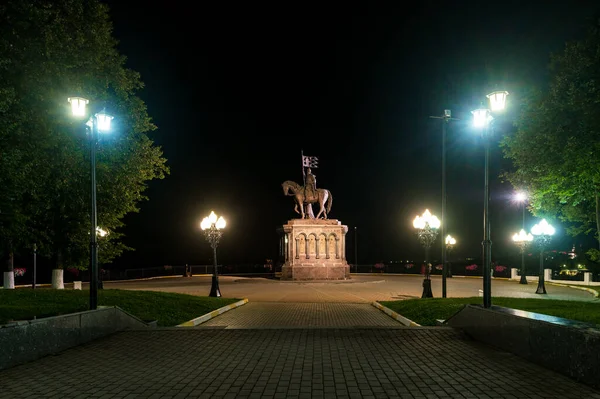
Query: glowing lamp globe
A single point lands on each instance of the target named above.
(498, 100)
(481, 117)
(522, 236)
(426, 219)
(103, 122)
(543, 228)
(78, 105)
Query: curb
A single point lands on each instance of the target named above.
(214, 313)
(577, 287)
(403, 320)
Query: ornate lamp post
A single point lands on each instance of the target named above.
(522, 198)
(213, 229)
(523, 240)
(427, 227)
(97, 123)
(543, 233)
(482, 119)
(450, 242)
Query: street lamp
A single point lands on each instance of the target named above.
(523, 240)
(522, 197)
(543, 233)
(450, 242)
(427, 226)
(482, 119)
(98, 123)
(213, 229)
(446, 118)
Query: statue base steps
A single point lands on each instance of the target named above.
(314, 249)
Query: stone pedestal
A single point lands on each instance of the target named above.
(314, 249)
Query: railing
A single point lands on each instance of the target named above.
(44, 276)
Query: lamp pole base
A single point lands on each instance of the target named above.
(214, 288)
(427, 289)
(541, 288)
(523, 279)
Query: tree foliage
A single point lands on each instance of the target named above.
(556, 148)
(51, 50)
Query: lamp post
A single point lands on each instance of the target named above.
(543, 233)
(523, 241)
(34, 282)
(213, 229)
(449, 242)
(355, 249)
(446, 118)
(97, 123)
(522, 197)
(482, 119)
(427, 227)
(101, 233)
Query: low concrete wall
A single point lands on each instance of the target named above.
(568, 347)
(24, 341)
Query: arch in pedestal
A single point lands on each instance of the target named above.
(333, 246)
(301, 245)
(312, 248)
(322, 246)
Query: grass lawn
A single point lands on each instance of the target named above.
(426, 311)
(168, 309)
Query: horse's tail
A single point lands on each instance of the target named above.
(329, 201)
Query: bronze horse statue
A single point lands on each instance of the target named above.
(323, 196)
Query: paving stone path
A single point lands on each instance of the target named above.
(260, 350)
(303, 315)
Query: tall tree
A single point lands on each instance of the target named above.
(555, 149)
(51, 50)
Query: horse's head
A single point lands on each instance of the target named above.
(289, 185)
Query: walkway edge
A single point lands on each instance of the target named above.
(577, 287)
(394, 315)
(214, 313)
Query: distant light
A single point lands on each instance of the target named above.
(450, 240)
(498, 100)
(447, 113)
(481, 117)
(78, 105)
(103, 121)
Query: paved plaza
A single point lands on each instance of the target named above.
(294, 340)
(360, 289)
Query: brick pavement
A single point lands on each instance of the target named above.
(298, 340)
(287, 363)
(303, 315)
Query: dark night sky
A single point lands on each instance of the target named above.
(238, 91)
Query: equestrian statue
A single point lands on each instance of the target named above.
(307, 195)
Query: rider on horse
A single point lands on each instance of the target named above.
(310, 189)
